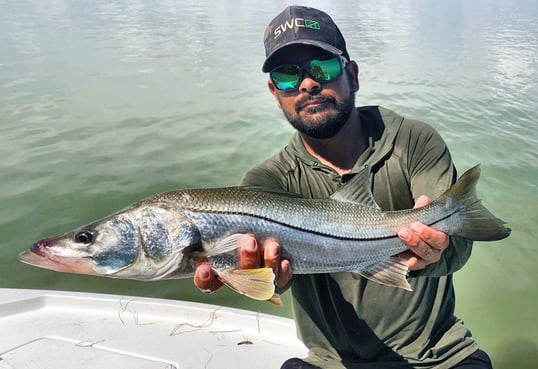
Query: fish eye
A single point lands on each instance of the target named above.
(85, 237)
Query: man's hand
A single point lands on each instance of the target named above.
(425, 244)
(250, 256)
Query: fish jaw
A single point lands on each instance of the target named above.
(42, 257)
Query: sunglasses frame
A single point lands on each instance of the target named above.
(304, 68)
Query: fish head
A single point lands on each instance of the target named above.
(143, 243)
(101, 248)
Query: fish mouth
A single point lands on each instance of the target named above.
(33, 258)
(39, 248)
(39, 258)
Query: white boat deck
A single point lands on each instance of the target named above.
(53, 330)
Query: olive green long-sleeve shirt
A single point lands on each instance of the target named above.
(347, 321)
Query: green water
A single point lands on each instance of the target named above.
(106, 102)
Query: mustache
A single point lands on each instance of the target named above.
(318, 99)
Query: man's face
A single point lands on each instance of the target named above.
(318, 110)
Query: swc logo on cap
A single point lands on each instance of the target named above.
(295, 23)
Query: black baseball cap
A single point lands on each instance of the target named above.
(302, 25)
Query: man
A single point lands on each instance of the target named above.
(347, 321)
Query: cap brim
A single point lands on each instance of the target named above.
(267, 67)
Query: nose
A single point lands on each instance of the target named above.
(308, 84)
(40, 247)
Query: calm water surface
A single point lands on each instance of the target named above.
(106, 102)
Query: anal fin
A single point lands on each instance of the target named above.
(392, 272)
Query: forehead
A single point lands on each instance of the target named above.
(296, 54)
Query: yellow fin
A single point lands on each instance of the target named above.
(276, 300)
(257, 284)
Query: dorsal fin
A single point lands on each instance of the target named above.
(357, 190)
(271, 191)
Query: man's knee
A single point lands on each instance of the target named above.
(295, 363)
(478, 360)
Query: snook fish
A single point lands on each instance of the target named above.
(166, 236)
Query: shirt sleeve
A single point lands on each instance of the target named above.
(263, 177)
(432, 172)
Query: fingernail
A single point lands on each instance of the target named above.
(416, 227)
(285, 267)
(204, 275)
(273, 251)
(404, 234)
(250, 246)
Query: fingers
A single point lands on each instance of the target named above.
(411, 260)
(250, 257)
(249, 254)
(421, 202)
(205, 279)
(271, 254)
(285, 274)
(281, 267)
(425, 243)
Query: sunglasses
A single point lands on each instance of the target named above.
(322, 69)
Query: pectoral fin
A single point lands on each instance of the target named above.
(392, 272)
(257, 284)
(226, 245)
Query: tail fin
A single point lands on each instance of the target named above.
(477, 223)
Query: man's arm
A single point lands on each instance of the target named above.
(431, 173)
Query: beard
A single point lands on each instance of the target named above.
(320, 121)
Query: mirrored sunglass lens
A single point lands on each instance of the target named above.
(286, 77)
(325, 70)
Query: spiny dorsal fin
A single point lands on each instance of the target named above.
(357, 190)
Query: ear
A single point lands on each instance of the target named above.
(274, 92)
(354, 75)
